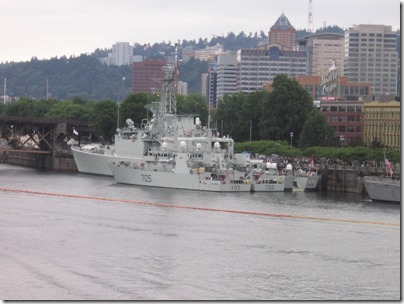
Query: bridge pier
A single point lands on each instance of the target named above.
(38, 160)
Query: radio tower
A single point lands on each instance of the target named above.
(310, 29)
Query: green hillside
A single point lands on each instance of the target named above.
(85, 76)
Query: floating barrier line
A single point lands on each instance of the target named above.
(198, 208)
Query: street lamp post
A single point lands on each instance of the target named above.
(250, 131)
(342, 138)
(291, 139)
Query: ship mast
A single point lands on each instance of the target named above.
(169, 85)
(167, 103)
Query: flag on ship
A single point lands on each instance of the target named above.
(312, 167)
(75, 131)
(388, 165)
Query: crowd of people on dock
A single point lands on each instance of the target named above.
(303, 163)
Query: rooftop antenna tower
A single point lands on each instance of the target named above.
(310, 29)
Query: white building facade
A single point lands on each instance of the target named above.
(122, 54)
(182, 88)
(323, 50)
(226, 75)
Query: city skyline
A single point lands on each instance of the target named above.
(44, 29)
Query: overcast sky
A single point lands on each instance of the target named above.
(53, 28)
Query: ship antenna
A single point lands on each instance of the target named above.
(117, 120)
(176, 56)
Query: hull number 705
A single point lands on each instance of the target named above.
(146, 178)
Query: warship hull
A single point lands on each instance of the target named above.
(383, 189)
(306, 183)
(129, 175)
(95, 163)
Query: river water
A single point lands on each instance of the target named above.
(71, 236)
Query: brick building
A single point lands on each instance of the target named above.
(346, 119)
(147, 76)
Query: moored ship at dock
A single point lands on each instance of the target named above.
(178, 152)
(383, 188)
(94, 158)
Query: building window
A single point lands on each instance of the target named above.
(351, 129)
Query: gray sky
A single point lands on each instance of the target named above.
(53, 28)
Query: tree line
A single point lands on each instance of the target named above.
(281, 121)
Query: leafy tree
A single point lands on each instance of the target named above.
(27, 107)
(18, 108)
(70, 110)
(286, 110)
(316, 131)
(330, 29)
(240, 112)
(193, 104)
(256, 102)
(133, 107)
(105, 119)
(228, 110)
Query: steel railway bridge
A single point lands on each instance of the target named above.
(29, 140)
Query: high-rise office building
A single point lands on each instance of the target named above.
(122, 54)
(371, 56)
(283, 32)
(147, 76)
(323, 50)
(226, 78)
(279, 56)
(256, 67)
(211, 84)
(204, 85)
